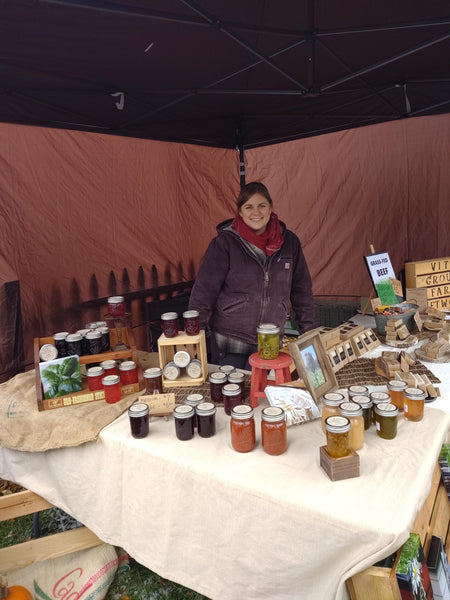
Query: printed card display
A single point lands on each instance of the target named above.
(60, 376)
(381, 273)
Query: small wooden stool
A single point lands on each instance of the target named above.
(260, 369)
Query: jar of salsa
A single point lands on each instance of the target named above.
(194, 400)
(414, 402)
(378, 398)
(395, 390)
(110, 367)
(353, 412)
(273, 430)
(338, 436)
(366, 404)
(95, 376)
(153, 380)
(206, 419)
(169, 324)
(386, 420)
(330, 406)
(242, 427)
(138, 414)
(191, 320)
(60, 343)
(94, 341)
(184, 421)
(268, 341)
(231, 396)
(357, 390)
(238, 378)
(111, 387)
(216, 382)
(116, 306)
(128, 372)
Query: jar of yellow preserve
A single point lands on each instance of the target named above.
(330, 406)
(354, 413)
(338, 436)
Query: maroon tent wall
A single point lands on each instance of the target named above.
(79, 208)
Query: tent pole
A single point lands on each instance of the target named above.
(241, 165)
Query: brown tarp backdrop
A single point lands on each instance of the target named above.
(82, 212)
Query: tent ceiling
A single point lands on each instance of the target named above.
(222, 72)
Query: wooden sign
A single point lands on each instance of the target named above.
(434, 276)
(159, 405)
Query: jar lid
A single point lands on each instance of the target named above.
(360, 390)
(103, 329)
(242, 411)
(48, 352)
(350, 409)
(363, 401)
(333, 399)
(194, 399)
(83, 332)
(101, 324)
(61, 335)
(218, 377)
(227, 369)
(110, 379)
(414, 394)
(231, 389)
(182, 358)
(168, 316)
(236, 377)
(108, 364)
(205, 409)
(152, 372)
(127, 365)
(138, 409)
(267, 328)
(386, 409)
(91, 326)
(273, 414)
(337, 424)
(115, 299)
(73, 337)
(183, 411)
(190, 314)
(93, 335)
(396, 384)
(95, 371)
(378, 397)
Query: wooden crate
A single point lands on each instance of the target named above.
(195, 345)
(380, 583)
(85, 395)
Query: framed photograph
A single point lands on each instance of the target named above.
(312, 364)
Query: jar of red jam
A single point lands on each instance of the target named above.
(273, 430)
(169, 324)
(191, 320)
(153, 380)
(216, 382)
(138, 414)
(116, 306)
(110, 367)
(238, 378)
(242, 427)
(231, 396)
(94, 341)
(95, 376)
(184, 421)
(111, 387)
(128, 372)
(206, 419)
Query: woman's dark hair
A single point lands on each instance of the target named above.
(249, 190)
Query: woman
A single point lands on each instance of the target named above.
(250, 274)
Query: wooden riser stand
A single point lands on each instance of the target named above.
(195, 345)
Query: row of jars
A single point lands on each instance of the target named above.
(191, 322)
(94, 339)
(110, 377)
(182, 363)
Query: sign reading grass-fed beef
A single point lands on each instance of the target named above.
(434, 275)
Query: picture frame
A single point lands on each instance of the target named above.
(312, 364)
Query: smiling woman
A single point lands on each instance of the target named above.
(252, 272)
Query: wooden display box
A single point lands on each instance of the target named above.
(339, 468)
(432, 275)
(195, 345)
(85, 395)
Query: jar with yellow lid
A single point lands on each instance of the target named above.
(330, 406)
(354, 413)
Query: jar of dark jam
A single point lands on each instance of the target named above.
(366, 404)
(268, 341)
(105, 338)
(184, 421)
(110, 367)
(169, 324)
(191, 320)
(153, 380)
(238, 378)
(94, 340)
(60, 343)
(378, 398)
(94, 377)
(194, 400)
(242, 428)
(84, 342)
(73, 342)
(128, 372)
(231, 396)
(139, 420)
(216, 382)
(273, 430)
(386, 420)
(206, 419)
(116, 306)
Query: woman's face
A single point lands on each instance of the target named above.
(256, 213)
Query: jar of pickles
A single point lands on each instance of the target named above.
(366, 404)
(338, 436)
(353, 412)
(414, 402)
(395, 390)
(330, 406)
(386, 415)
(273, 430)
(268, 341)
(169, 324)
(378, 398)
(242, 428)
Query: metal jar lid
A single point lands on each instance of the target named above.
(414, 394)
(205, 409)
(267, 328)
(218, 377)
(116, 299)
(231, 389)
(171, 371)
(169, 316)
(333, 399)
(83, 332)
(358, 390)
(397, 385)
(127, 365)
(183, 411)
(61, 335)
(74, 337)
(386, 409)
(152, 372)
(236, 377)
(337, 424)
(350, 409)
(227, 369)
(110, 380)
(48, 352)
(378, 397)
(95, 334)
(139, 409)
(363, 401)
(95, 371)
(182, 358)
(194, 399)
(273, 414)
(242, 412)
(190, 314)
(108, 364)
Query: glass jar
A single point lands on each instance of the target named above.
(73, 342)
(184, 421)
(414, 402)
(191, 320)
(206, 419)
(182, 359)
(378, 398)
(338, 436)
(105, 338)
(171, 371)
(227, 369)
(169, 324)
(128, 372)
(231, 396)
(84, 342)
(95, 376)
(216, 382)
(194, 400)
(386, 420)
(395, 390)
(110, 367)
(138, 414)
(273, 430)
(242, 427)
(153, 380)
(238, 378)
(330, 406)
(94, 342)
(116, 306)
(357, 390)
(111, 387)
(60, 343)
(268, 341)
(194, 369)
(366, 404)
(48, 352)
(354, 412)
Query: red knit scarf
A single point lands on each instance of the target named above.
(269, 241)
